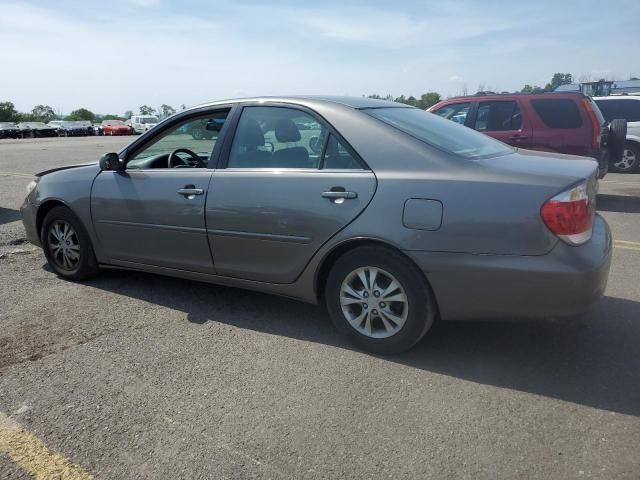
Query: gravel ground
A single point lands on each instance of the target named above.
(132, 375)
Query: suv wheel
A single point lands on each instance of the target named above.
(67, 246)
(630, 161)
(380, 300)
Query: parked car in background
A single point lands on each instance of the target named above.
(627, 107)
(69, 128)
(10, 130)
(115, 127)
(97, 129)
(400, 217)
(142, 123)
(37, 130)
(550, 122)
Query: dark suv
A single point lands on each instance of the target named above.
(552, 122)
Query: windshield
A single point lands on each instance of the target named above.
(112, 122)
(34, 125)
(440, 133)
(7, 124)
(148, 120)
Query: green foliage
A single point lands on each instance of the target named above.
(147, 110)
(426, 99)
(166, 110)
(81, 114)
(8, 112)
(128, 114)
(41, 113)
(557, 80)
(532, 89)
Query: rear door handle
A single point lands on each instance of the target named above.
(334, 194)
(190, 191)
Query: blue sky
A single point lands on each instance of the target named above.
(115, 55)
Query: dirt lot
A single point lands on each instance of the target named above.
(138, 376)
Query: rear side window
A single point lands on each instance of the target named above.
(558, 113)
(337, 157)
(456, 112)
(626, 109)
(498, 116)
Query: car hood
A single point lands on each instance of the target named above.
(67, 167)
(543, 167)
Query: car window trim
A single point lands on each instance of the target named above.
(224, 160)
(130, 150)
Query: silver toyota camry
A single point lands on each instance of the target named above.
(391, 216)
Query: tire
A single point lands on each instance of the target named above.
(412, 314)
(630, 160)
(197, 133)
(54, 231)
(616, 140)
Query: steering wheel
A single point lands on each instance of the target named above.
(174, 158)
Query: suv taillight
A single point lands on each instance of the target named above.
(595, 125)
(569, 215)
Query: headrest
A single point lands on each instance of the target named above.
(250, 134)
(286, 131)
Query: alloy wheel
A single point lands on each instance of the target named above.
(628, 160)
(374, 302)
(63, 245)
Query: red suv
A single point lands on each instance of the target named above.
(552, 122)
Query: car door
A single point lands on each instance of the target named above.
(289, 182)
(151, 214)
(503, 120)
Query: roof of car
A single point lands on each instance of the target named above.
(493, 96)
(353, 102)
(619, 97)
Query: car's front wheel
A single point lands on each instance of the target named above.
(379, 299)
(67, 246)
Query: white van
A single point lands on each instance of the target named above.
(142, 123)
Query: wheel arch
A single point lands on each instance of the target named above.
(346, 246)
(44, 208)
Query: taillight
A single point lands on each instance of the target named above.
(595, 126)
(569, 215)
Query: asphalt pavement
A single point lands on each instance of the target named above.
(132, 375)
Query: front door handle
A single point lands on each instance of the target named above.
(337, 194)
(190, 191)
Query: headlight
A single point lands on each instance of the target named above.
(31, 186)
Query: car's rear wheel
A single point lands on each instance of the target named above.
(616, 140)
(67, 246)
(380, 300)
(630, 160)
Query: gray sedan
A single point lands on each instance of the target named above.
(391, 216)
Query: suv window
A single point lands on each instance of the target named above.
(456, 112)
(498, 116)
(558, 113)
(627, 109)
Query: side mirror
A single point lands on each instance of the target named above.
(110, 161)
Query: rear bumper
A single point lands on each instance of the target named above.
(564, 282)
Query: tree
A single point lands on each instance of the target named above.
(557, 80)
(427, 100)
(81, 114)
(183, 107)
(43, 113)
(128, 114)
(166, 110)
(8, 112)
(147, 110)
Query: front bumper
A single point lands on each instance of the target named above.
(562, 283)
(29, 220)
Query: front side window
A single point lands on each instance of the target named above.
(558, 113)
(456, 112)
(442, 134)
(498, 116)
(196, 135)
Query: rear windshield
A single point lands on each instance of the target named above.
(440, 133)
